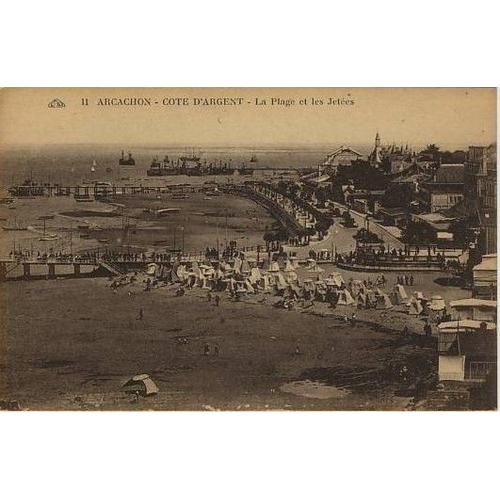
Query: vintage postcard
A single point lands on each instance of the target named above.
(246, 249)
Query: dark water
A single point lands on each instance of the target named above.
(70, 164)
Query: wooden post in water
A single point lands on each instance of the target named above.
(26, 270)
(76, 268)
(52, 271)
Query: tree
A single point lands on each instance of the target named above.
(418, 233)
(397, 195)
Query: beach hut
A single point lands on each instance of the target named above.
(485, 274)
(476, 309)
(142, 385)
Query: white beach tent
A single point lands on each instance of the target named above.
(414, 307)
(437, 303)
(255, 275)
(337, 279)
(245, 267)
(237, 265)
(400, 295)
(141, 384)
(356, 287)
(345, 298)
(274, 267)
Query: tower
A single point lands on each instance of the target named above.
(377, 140)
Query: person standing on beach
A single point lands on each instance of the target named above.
(141, 314)
(217, 300)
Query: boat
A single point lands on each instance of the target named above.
(94, 165)
(126, 161)
(48, 237)
(83, 198)
(15, 226)
(253, 159)
(161, 168)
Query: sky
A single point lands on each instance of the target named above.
(417, 116)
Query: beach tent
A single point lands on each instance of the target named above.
(237, 265)
(361, 301)
(419, 296)
(294, 261)
(383, 301)
(345, 298)
(437, 303)
(414, 307)
(356, 287)
(400, 295)
(151, 270)
(255, 275)
(249, 286)
(310, 263)
(141, 384)
(291, 292)
(337, 279)
(308, 289)
(245, 267)
(265, 283)
(289, 266)
(274, 267)
(281, 283)
(315, 269)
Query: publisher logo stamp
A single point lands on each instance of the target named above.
(56, 103)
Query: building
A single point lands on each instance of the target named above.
(467, 351)
(475, 309)
(480, 194)
(343, 156)
(391, 159)
(393, 216)
(446, 188)
(485, 276)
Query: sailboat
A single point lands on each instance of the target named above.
(47, 237)
(94, 165)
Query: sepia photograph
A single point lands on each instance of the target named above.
(248, 249)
